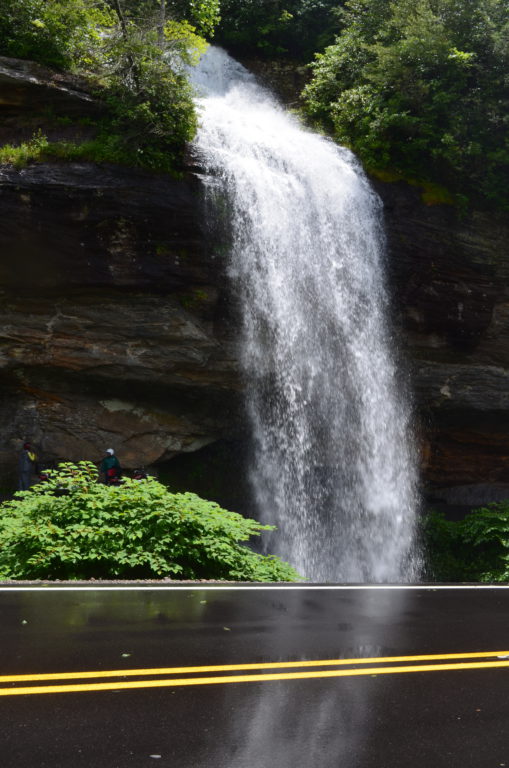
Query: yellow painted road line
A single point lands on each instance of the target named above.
(187, 681)
(243, 667)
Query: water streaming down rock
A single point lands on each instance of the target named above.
(333, 465)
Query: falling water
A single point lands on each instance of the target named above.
(333, 465)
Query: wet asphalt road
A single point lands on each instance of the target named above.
(421, 719)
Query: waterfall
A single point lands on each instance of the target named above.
(332, 463)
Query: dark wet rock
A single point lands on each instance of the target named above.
(112, 330)
(78, 224)
(284, 78)
(25, 85)
(450, 282)
(473, 495)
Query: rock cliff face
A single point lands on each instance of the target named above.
(111, 329)
(449, 275)
(112, 326)
(117, 324)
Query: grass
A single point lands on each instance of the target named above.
(102, 149)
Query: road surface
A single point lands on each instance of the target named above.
(231, 677)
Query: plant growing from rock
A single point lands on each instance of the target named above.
(73, 527)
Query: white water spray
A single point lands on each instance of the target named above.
(333, 465)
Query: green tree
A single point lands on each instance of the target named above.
(144, 64)
(293, 28)
(204, 15)
(421, 87)
(59, 33)
(72, 527)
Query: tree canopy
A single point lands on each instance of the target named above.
(71, 33)
(421, 87)
(60, 33)
(287, 28)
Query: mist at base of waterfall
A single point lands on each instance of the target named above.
(333, 463)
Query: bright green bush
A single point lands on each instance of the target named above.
(73, 527)
(473, 549)
(421, 87)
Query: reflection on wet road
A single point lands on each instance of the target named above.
(252, 678)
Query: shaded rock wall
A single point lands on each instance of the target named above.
(450, 281)
(111, 330)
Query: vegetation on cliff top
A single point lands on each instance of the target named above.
(421, 87)
(135, 54)
(72, 527)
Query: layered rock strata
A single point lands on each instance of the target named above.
(110, 325)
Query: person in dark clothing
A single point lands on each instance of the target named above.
(110, 468)
(26, 466)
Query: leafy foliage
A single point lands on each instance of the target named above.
(107, 147)
(60, 33)
(135, 53)
(147, 91)
(72, 527)
(421, 87)
(473, 549)
(204, 15)
(295, 28)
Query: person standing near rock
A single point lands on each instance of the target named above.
(110, 467)
(26, 466)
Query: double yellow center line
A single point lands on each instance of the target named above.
(342, 668)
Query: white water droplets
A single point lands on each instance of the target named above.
(333, 464)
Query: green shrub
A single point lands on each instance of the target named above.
(473, 549)
(152, 121)
(20, 155)
(72, 527)
(107, 147)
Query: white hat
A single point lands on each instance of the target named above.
(110, 450)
